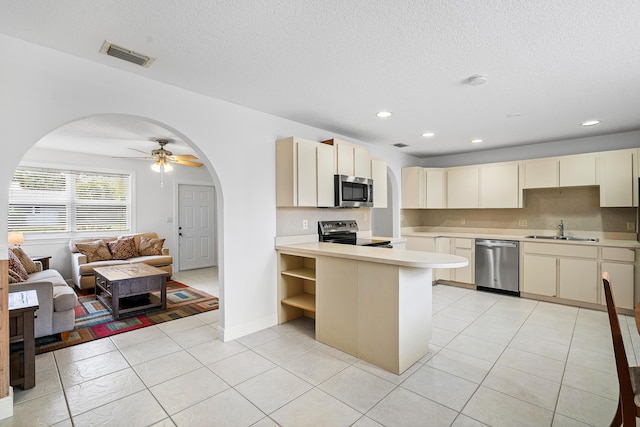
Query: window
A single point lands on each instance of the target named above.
(55, 200)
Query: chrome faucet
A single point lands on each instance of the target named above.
(561, 228)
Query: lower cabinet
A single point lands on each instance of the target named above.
(540, 275)
(578, 279)
(574, 272)
(465, 248)
(440, 245)
(620, 264)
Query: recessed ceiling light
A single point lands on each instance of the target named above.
(428, 134)
(477, 80)
(590, 123)
(476, 141)
(383, 114)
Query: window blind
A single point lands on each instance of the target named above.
(53, 200)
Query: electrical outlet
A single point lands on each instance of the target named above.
(305, 224)
(522, 223)
(462, 221)
(631, 226)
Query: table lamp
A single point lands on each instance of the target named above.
(15, 238)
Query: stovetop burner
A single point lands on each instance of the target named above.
(345, 232)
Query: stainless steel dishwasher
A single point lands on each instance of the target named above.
(498, 266)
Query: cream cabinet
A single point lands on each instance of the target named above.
(465, 248)
(436, 188)
(620, 264)
(437, 244)
(499, 185)
(541, 173)
(540, 275)
(304, 173)
(578, 170)
(379, 176)
(361, 162)
(565, 271)
(350, 159)
(578, 279)
(414, 188)
(423, 188)
(462, 187)
(566, 171)
(324, 173)
(617, 180)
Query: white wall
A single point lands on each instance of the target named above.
(45, 89)
(617, 141)
(153, 205)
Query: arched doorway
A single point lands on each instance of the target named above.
(117, 142)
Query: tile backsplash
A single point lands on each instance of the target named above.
(289, 221)
(578, 207)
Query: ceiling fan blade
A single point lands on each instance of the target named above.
(133, 158)
(139, 151)
(186, 163)
(184, 157)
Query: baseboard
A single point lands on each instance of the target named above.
(6, 405)
(229, 334)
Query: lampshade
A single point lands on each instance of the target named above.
(15, 238)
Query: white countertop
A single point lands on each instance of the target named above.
(602, 242)
(379, 255)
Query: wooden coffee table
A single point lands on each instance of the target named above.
(127, 287)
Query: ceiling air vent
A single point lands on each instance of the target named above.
(126, 54)
(400, 145)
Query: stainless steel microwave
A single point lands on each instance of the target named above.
(353, 192)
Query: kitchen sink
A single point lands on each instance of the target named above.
(570, 238)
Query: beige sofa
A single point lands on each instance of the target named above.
(82, 271)
(56, 300)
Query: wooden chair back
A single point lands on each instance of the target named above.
(622, 365)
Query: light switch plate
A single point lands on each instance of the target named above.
(522, 223)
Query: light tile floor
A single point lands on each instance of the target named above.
(495, 360)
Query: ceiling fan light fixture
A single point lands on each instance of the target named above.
(168, 167)
(155, 167)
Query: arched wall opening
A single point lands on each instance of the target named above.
(85, 144)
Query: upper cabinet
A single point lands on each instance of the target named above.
(565, 171)
(423, 188)
(578, 170)
(379, 175)
(462, 187)
(350, 159)
(414, 188)
(436, 188)
(304, 173)
(541, 173)
(617, 178)
(499, 185)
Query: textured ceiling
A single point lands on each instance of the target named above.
(332, 64)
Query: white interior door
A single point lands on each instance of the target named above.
(196, 226)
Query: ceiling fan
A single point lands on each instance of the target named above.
(163, 158)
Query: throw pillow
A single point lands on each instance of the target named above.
(17, 267)
(25, 260)
(14, 277)
(95, 251)
(124, 248)
(150, 246)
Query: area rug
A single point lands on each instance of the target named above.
(94, 321)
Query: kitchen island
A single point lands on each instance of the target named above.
(374, 303)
